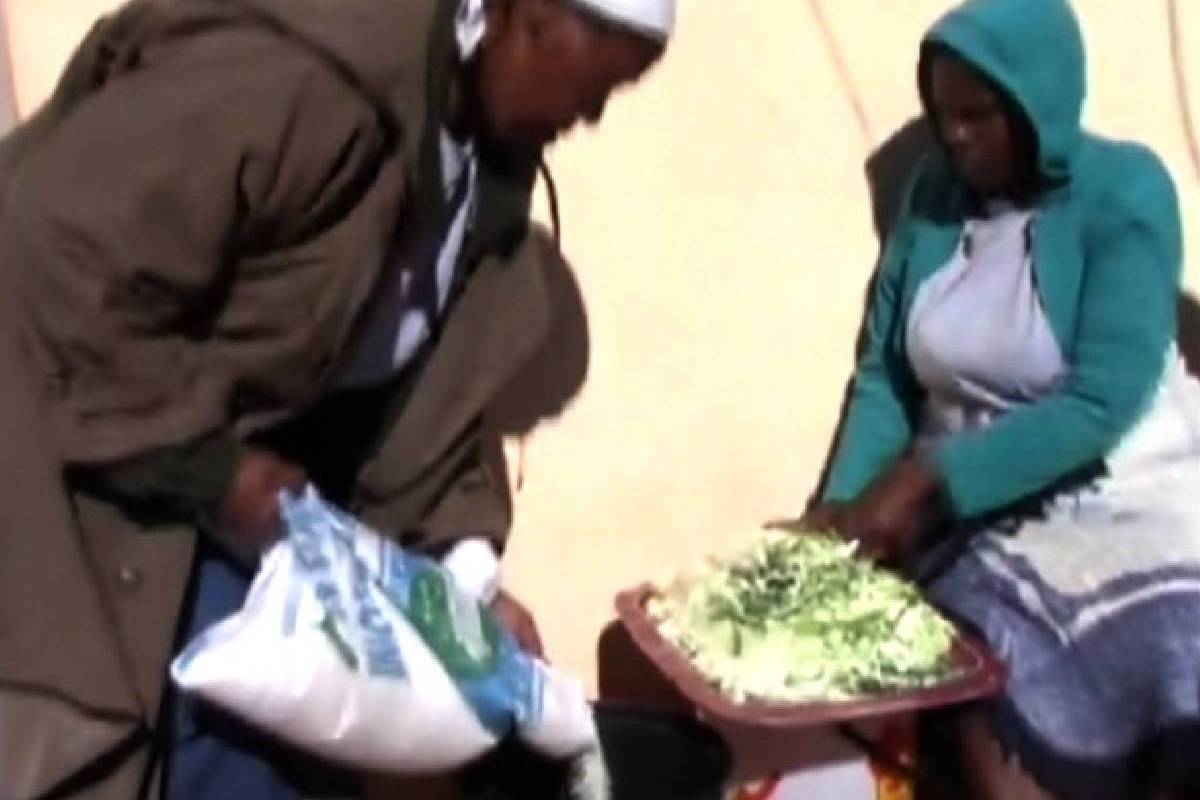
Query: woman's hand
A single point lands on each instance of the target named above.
(890, 517)
(825, 517)
(821, 518)
(248, 518)
(519, 622)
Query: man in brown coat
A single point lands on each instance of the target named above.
(248, 244)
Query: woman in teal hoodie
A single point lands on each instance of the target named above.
(1021, 430)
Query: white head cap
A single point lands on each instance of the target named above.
(653, 18)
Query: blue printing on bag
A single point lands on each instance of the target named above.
(509, 694)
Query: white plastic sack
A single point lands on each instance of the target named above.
(371, 657)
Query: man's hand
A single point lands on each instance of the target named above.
(519, 622)
(249, 514)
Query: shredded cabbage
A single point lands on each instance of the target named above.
(799, 619)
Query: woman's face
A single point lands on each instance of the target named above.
(972, 121)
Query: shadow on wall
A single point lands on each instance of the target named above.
(888, 169)
(1189, 332)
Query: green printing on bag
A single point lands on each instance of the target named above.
(345, 652)
(431, 613)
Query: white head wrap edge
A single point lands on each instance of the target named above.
(653, 18)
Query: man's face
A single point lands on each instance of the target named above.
(545, 66)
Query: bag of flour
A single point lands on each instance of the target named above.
(352, 649)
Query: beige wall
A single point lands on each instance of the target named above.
(720, 227)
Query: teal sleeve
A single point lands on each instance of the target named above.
(1125, 322)
(877, 428)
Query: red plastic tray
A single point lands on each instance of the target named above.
(979, 674)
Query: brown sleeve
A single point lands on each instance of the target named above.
(188, 481)
(465, 494)
(129, 217)
(541, 360)
(478, 501)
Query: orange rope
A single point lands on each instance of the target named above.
(845, 76)
(1182, 96)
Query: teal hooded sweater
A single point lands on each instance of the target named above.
(1107, 259)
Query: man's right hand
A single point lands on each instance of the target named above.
(249, 514)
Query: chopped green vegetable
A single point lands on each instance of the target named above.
(800, 619)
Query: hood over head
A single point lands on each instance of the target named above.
(1032, 51)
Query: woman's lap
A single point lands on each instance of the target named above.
(1104, 690)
